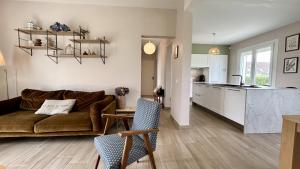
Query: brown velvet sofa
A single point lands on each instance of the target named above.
(17, 118)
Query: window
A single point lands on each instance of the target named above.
(257, 64)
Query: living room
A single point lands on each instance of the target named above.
(83, 60)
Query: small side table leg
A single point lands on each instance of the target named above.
(126, 124)
(108, 120)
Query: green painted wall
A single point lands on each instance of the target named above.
(203, 49)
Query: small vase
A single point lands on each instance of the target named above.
(121, 102)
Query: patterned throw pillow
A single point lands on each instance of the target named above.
(52, 107)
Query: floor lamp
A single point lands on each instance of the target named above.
(2, 64)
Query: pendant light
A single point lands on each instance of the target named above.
(149, 48)
(214, 50)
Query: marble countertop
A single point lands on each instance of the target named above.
(243, 87)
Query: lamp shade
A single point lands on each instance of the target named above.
(149, 48)
(2, 60)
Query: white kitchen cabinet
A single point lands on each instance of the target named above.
(199, 61)
(235, 104)
(216, 99)
(228, 102)
(217, 68)
(210, 97)
(196, 96)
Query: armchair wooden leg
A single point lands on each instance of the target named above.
(126, 150)
(97, 163)
(126, 124)
(149, 149)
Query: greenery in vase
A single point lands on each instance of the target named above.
(121, 91)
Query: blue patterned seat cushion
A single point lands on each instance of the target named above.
(110, 148)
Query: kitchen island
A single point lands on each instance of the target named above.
(258, 110)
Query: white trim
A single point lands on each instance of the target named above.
(253, 48)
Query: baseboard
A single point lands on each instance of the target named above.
(179, 127)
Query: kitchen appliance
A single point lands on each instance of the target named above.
(202, 78)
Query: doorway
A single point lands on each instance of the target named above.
(149, 64)
(156, 69)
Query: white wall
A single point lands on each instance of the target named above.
(122, 25)
(181, 67)
(168, 76)
(161, 62)
(282, 80)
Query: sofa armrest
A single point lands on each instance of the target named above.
(107, 105)
(11, 105)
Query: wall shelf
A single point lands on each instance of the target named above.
(96, 41)
(39, 47)
(45, 32)
(77, 39)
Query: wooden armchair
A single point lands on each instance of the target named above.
(122, 149)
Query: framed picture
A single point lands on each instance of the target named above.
(292, 43)
(291, 65)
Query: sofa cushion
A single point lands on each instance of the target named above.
(84, 99)
(20, 121)
(33, 99)
(74, 121)
(52, 107)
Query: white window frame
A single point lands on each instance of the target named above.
(274, 49)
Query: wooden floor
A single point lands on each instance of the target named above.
(209, 143)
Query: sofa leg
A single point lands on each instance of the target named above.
(97, 163)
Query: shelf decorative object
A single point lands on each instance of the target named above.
(51, 45)
(57, 27)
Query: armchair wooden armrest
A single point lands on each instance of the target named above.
(136, 132)
(118, 116)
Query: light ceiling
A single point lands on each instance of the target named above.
(237, 20)
(163, 4)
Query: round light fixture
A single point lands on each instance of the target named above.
(149, 48)
(214, 51)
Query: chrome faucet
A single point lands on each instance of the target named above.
(241, 78)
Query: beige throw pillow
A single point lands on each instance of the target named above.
(52, 107)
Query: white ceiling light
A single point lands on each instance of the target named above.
(214, 50)
(149, 48)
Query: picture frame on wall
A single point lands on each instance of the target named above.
(291, 65)
(292, 42)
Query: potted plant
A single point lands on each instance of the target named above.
(121, 92)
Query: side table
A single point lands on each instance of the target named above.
(290, 143)
(127, 110)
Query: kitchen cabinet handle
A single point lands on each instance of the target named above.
(236, 90)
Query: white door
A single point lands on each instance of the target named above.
(214, 69)
(148, 74)
(223, 68)
(218, 68)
